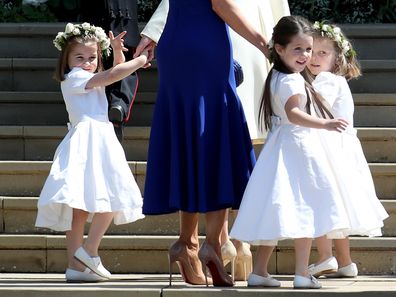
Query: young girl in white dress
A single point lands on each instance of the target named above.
(292, 192)
(90, 178)
(333, 63)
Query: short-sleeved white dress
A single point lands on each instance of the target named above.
(292, 192)
(89, 170)
(345, 152)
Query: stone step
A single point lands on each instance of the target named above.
(157, 285)
(148, 254)
(37, 37)
(47, 108)
(38, 143)
(36, 74)
(375, 110)
(26, 178)
(372, 41)
(378, 77)
(18, 216)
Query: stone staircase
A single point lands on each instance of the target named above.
(33, 122)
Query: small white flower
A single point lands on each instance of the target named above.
(76, 32)
(85, 26)
(337, 38)
(105, 43)
(69, 28)
(325, 28)
(316, 25)
(336, 30)
(345, 49)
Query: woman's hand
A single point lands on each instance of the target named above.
(145, 45)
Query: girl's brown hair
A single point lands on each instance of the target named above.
(284, 31)
(62, 67)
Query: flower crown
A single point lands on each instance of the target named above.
(334, 33)
(83, 30)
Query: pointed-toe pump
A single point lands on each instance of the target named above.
(211, 260)
(185, 258)
(229, 254)
(243, 262)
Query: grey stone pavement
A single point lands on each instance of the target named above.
(36, 284)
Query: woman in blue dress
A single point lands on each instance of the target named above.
(200, 153)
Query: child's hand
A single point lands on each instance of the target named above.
(146, 53)
(117, 43)
(338, 125)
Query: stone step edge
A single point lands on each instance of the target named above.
(366, 133)
(360, 99)
(143, 132)
(57, 132)
(158, 242)
(56, 97)
(382, 30)
(50, 63)
(25, 167)
(369, 65)
(30, 203)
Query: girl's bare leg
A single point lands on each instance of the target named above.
(75, 237)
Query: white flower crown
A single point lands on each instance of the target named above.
(335, 34)
(83, 30)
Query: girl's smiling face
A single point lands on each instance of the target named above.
(297, 53)
(323, 56)
(84, 55)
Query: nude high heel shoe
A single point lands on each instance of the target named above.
(229, 254)
(185, 258)
(209, 259)
(243, 262)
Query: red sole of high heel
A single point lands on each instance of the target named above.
(216, 278)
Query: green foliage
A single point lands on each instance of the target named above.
(346, 11)
(146, 8)
(337, 11)
(15, 11)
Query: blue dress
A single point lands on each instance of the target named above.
(200, 153)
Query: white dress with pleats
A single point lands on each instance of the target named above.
(365, 211)
(89, 170)
(293, 191)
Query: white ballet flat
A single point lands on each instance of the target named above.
(329, 265)
(86, 276)
(93, 263)
(350, 270)
(302, 282)
(255, 280)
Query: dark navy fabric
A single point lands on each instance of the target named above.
(200, 153)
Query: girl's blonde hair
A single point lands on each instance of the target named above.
(62, 67)
(346, 64)
(284, 31)
(79, 34)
